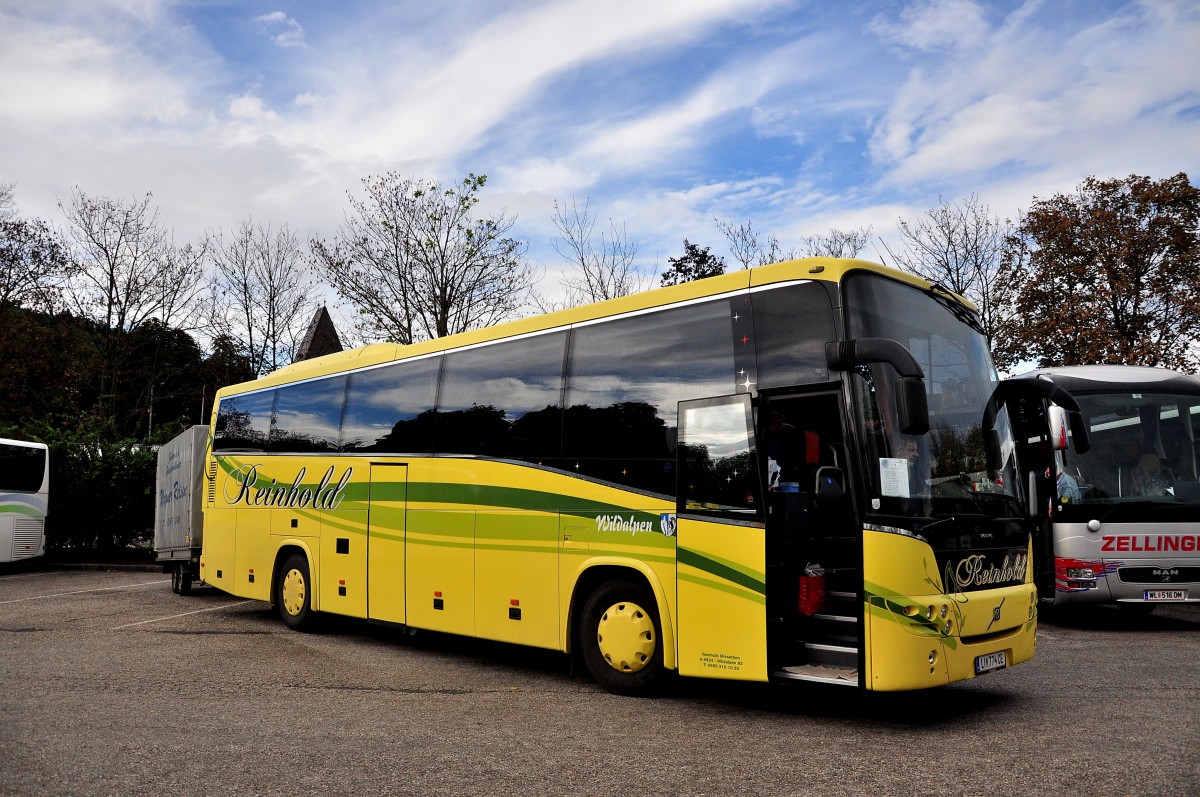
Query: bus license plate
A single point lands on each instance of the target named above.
(990, 661)
(1165, 594)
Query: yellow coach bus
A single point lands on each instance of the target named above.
(793, 472)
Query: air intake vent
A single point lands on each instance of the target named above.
(28, 537)
(212, 481)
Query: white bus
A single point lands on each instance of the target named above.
(24, 493)
(1120, 521)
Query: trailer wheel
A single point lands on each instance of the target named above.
(176, 580)
(621, 639)
(185, 581)
(293, 593)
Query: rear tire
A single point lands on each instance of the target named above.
(620, 639)
(176, 580)
(293, 593)
(185, 581)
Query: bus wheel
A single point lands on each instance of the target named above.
(293, 593)
(621, 640)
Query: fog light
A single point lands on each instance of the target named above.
(1080, 572)
(929, 613)
(945, 609)
(932, 656)
(949, 626)
(1081, 585)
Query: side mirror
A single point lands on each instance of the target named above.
(1057, 420)
(912, 405)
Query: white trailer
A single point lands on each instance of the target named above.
(178, 521)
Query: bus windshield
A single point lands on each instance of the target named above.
(959, 467)
(1142, 458)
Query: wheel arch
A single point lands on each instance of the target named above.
(597, 572)
(285, 550)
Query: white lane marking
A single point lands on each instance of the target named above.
(82, 591)
(1044, 634)
(185, 614)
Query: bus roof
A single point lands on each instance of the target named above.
(1094, 378)
(813, 268)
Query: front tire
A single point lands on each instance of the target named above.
(620, 638)
(293, 593)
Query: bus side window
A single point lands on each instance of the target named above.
(390, 409)
(308, 416)
(791, 326)
(503, 400)
(625, 378)
(244, 421)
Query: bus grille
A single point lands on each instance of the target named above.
(28, 537)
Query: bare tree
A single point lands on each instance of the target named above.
(265, 293)
(960, 246)
(131, 270)
(750, 250)
(837, 243)
(599, 273)
(33, 265)
(417, 264)
(8, 206)
(129, 274)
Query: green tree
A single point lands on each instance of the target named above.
(694, 264)
(1107, 274)
(417, 263)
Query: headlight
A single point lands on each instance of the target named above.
(1080, 572)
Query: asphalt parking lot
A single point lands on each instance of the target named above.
(112, 685)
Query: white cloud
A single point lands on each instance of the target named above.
(1036, 99)
(490, 72)
(930, 25)
(291, 33)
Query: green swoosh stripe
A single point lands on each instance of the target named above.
(723, 586)
(721, 570)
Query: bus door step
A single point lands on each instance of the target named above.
(821, 673)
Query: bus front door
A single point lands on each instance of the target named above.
(814, 553)
(720, 543)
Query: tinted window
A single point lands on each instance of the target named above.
(719, 471)
(21, 468)
(307, 415)
(503, 400)
(627, 376)
(390, 409)
(244, 421)
(792, 325)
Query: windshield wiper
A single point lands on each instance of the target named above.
(946, 298)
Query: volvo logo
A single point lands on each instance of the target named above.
(995, 615)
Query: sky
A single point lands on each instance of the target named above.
(662, 115)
